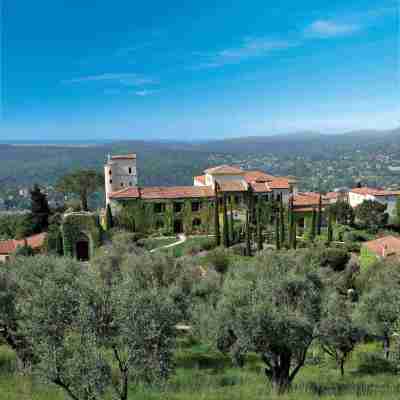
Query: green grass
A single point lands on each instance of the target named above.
(204, 374)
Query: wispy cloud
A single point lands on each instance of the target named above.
(125, 79)
(145, 92)
(249, 48)
(329, 29)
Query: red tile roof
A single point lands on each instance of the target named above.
(257, 176)
(279, 183)
(259, 187)
(307, 201)
(233, 186)
(166, 192)
(35, 241)
(384, 246)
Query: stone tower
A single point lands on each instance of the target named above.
(120, 173)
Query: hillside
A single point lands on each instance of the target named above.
(170, 163)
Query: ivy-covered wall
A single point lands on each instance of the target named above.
(75, 225)
(140, 216)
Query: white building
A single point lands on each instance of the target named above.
(358, 195)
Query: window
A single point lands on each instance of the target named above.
(110, 181)
(177, 207)
(130, 170)
(110, 172)
(196, 206)
(159, 208)
(122, 185)
(130, 183)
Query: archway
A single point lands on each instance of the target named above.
(83, 248)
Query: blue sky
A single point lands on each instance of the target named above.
(196, 70)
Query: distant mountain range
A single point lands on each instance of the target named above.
(175, 162)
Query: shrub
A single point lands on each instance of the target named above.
(334, 258)
(373, 363)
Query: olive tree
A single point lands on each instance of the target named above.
(272, 308)
(338, 332)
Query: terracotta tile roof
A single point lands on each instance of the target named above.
(257, 176)
(374, 192)
(332, 195)
(35, 241)
(164, 192)
(306, 201)
(384, 246)
(259, 187)
(224, 169)
(201, 179)
(233, 186)
(279, 183)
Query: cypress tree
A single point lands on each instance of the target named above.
(40, 210)
(232, 233)
(109, 218)
(248, 233)
(260, 239)
(330, 227)
(225, 222)
(282, 222)
(216, 217)
(319, 219)
(313, 224)
(277, 230)
(294, 239)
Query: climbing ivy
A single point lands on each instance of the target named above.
(74, 225)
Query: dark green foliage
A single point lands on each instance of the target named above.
(260, 238)
(277, 231)
(82, 183)
(319, 215)
(24, 227)
(282, 223)
(342, 212)
(231, 222)
(330, 227)
(331, 257)
(109, 218)
(313, 226)
(225, 227)
(219, 260)
(372, 215)
(39, 210)
(374, 364)
(24, 251)
(217, 231)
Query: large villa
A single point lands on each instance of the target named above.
(189, 208)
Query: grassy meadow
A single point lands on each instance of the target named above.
(203, 374)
